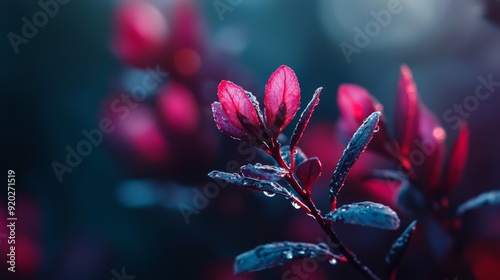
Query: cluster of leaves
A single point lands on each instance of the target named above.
(425, 176)
(238, 115)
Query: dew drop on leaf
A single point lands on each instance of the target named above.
(366, 213)
(269, 194)
(332, 261)
(295, 205)
(377, 128)
(279, 253)
(288, 255)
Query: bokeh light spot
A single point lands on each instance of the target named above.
(187, 62)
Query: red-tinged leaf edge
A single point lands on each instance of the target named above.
(256, 106)
(458, 157)
(304, 119)
(225, 125)
(356, 146)
(308, 172)
(281, 99)
(399, 247)
(406, 114)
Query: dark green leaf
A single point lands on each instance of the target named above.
(386, 175)
(304, 119)
(411, 201)
(365, 214)
(263, 172)
(482, 200)
(268, 187)
(399, 247)
(356, 146)
(278, 253)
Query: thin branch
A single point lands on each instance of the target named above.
(324, 224)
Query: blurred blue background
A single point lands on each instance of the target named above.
(119, 207)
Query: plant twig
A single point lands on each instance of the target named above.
(324, 224)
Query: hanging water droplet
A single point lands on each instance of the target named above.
(269, 194)
(295, 205)
(377, 128)
(332, 261)
(288, 255)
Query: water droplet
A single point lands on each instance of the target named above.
(377, 128)
(295, 205)
(332, 261)
(288, 255)
(301, 252)
(269, 194)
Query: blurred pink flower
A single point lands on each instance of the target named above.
(140, 33)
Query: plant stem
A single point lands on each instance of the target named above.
(324, 224)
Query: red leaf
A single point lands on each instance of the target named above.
(458, 157)
(407, 114)
(282, 90)
(304, 119)
(430, 144)
(224, 125)
(381, 190)
(308, 172)
(236, 104)
(355, 105)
